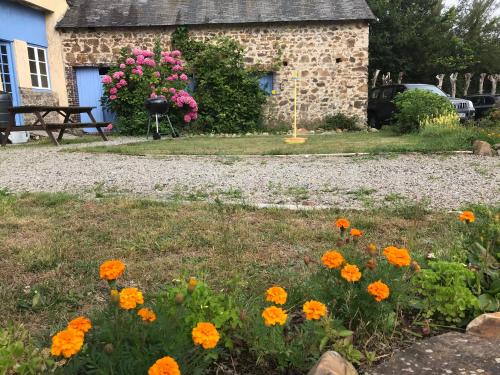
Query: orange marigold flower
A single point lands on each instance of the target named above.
(130, 298)
(80, 324)
(314, 310)
(277, 295)
(274, 315)
(379, 290)
(192, 284)
(206, 335)
(146, 314)
(111, 270)
(67, 343)
(342, 223)
(165, 366)
(467, 216)
(351, 273)
(397, 257)
(332, 259)
(356, 232)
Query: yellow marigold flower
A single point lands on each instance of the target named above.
(192, 284)
(350, 273)
(274, 315)
(111, 270)
(130, 298)
(379, 290)
(115, 295)
(206, 335)
(277, 295)
(332, 259)
(165, 366)
(67, 343)
(397, 257)
(80, 324)
(356, 232)
(342, 223)
(314, 310)
(467, 216)
(147, 315)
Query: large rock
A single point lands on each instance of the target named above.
(332, 363)
(483, 148)
(486, 325)
(452, 353)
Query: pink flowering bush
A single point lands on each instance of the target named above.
(142, 74)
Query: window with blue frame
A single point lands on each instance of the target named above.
(39, 71)
(266, 83)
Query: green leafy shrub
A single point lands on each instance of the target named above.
(341, 121)
(445, 292)
(19, 355)
(120, 342)
(416, 106)
(482, 242)
(229, 97)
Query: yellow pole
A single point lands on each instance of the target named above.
(295, 139)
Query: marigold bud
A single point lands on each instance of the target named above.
(108, 348)
(307, 260)
(243, 314)
(347, 240)
(115, 296)
(340, 242)
(372, 264)
(415, 266)
(371, 249)
(179, 298)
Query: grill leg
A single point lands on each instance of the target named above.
(149, 127)
(174, 133)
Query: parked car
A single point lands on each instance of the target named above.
(381, 105)
(484, 103)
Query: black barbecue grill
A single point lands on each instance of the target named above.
(158, 108)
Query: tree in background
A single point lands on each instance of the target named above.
(422, 38)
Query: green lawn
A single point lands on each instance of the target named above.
(353, 142)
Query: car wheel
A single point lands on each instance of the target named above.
(372, 121)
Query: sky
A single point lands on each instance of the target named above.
(454, 2)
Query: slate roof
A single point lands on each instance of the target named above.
(135, 13)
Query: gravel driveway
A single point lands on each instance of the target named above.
(446, 181)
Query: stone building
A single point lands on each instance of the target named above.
(326, 41)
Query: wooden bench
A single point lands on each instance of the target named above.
(41, 112)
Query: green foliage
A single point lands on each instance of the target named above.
(340, 121)
(120, 342)
(19, 355)
(445, 292)
(482, 241)
(229, 97)
(415, 106)
(423, 38)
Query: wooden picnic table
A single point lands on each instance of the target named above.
(41, 111)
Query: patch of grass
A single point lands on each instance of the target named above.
(384, 141)
(52, 247)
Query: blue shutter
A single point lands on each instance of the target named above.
(266, 83)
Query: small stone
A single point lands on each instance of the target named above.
(496, 146)
(338, 130)
(332, 363)
(373, 130)
(483, 148)
(486, 325)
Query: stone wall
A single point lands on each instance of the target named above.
(332, 59)
(39, 97)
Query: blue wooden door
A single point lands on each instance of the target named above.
(90, 93)
(8, 75)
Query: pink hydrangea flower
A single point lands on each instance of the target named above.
(109, 127)
(118, 75)
(123, 82)
(123, 66)
(177, 68)
(173, 77)
(107, 79)
(176, 53)
(153, 95)
(149, 62)
(136, 51)
(157, 74)
(172, 90)
(113, 91)
(113, 97)
(140, 59)
(169, 60)
(129, 61)
(184, 77)
(118, 86)
(164, 89)
(140, 72)
(187, 118)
